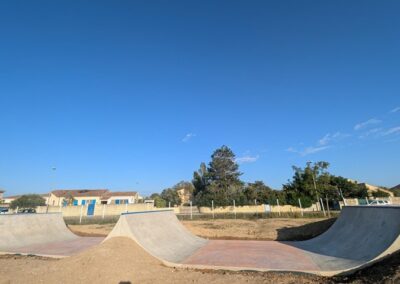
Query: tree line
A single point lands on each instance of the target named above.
(219, 182)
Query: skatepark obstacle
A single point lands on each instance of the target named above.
(40, 234)
(361, 236)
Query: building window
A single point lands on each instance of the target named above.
(75, 202)
(83, 202)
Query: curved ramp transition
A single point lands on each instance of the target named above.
(361, 236)
(40, 234)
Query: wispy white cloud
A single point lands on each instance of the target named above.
(188, 137)
(393, 130)
(308, 150)
(396, 109)
(247, 159)
(368, 123)
(329, 138)
(322, 144)
(374, 132)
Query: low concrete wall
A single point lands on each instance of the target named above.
(257, 209)
(99, 209)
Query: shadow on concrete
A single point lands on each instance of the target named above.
(304, 232)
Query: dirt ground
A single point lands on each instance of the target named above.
(121, 260)
(259, 229)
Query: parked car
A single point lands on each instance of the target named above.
(27, 211)
(378, 203)
(3, 210)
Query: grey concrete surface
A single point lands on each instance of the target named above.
(18, 230)
(159, 233)
(361, 236)
(40, 234)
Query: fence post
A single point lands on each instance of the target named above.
(169, 204)
(323, 207)
(212, 208)
(126, 207)
(279, 207)
(17, 210)
(301, 208)
(80, 218)
(327, 207)
(191, 211)
(234, 208)
(255, 203)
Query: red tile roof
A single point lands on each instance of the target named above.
(118, 193)
(80, 192)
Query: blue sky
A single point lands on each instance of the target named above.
(136, 94)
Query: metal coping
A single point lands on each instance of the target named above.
(144, 212)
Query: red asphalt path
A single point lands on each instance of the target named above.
(252, 254)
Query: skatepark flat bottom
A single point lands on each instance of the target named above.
(252, 254)
(61, 248)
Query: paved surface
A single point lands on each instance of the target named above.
(252, 254)
(360, 236)
(40, 234)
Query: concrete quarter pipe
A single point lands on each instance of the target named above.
(361, 236)
(40, 234)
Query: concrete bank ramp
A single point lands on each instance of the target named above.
(40, 234)
(361, 236)
(160, 233)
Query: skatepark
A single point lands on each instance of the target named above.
(360, 237)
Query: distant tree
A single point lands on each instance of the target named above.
(263, 194)
(380, 193)
(223, 168)
(307, 184)
(28, 201)
(170, 195)
(201, 180)
(69, 199)
(396, 190)
(348, 188)
(220, 181)
(159, 202)
(187, 185)
(314, 181)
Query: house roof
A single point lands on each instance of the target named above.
(118, 193)
(80, 192)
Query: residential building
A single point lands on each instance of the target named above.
(91, 196)
(185, 195)
(122, 197)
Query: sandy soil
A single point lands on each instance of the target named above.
(91, 230)
(260, 229)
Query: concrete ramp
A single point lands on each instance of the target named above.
(160, 233)
(360, 237)
(40, 234)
